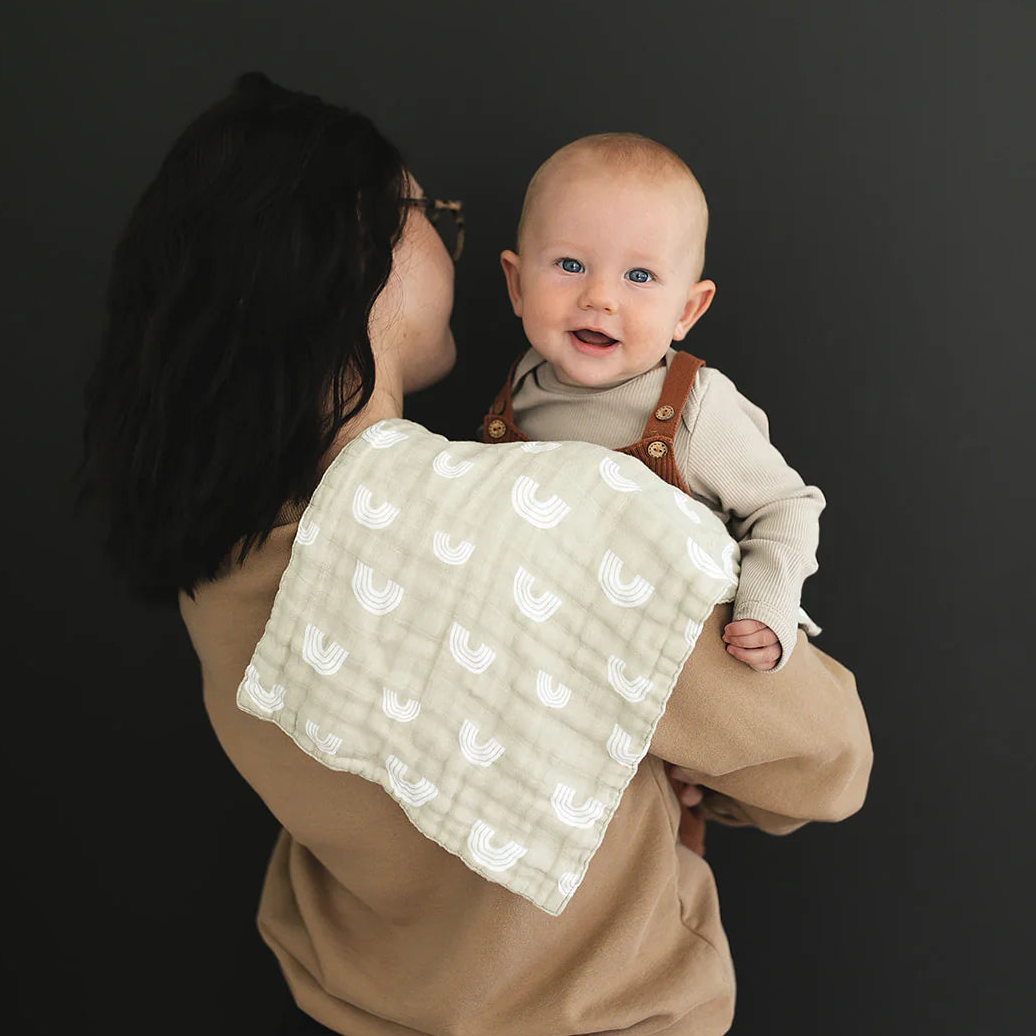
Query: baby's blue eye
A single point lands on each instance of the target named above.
(639, 276)
(571, 265)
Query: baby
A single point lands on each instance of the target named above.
(606, 276)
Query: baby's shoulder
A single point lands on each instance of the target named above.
(715, 399)
(711, 388)
(708, 378)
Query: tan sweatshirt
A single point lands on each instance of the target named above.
(723, 451)
(380, 932)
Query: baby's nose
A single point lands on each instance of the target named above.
(597, 294)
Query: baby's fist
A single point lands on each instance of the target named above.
(753, 642)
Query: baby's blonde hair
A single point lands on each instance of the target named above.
(623, 152)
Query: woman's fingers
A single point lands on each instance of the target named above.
(691, 795)
(683, 783)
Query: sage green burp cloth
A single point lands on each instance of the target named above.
(491, 633)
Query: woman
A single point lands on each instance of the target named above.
(279, 290)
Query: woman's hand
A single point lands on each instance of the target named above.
(689, 793)
(692, 823)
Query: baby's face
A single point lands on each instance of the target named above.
(606, 275)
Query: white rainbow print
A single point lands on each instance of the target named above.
(307, 532)
(620, 747)
(540, 607)
(728, 562)
(474, 661)
(267, 701)
(413, 793)
(330, 744)
(685, 505)
(326, 659)
(551, 696)
(493, 858)
(395, 708)
(381, 438)
(567, 884)
(368, 515)
(543, 514)
(704, 561)
(633, 691)
(448, 554)
(613, 477)
(540, 447)
(377, 602)
(632, 594)
(586, 815)
(481, 754)
(444, 465)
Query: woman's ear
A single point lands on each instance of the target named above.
(512, 265)
(699, 300)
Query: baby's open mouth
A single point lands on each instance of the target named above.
(593, 337)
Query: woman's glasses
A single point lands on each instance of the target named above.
(448, 219)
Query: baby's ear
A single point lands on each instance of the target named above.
(698, 300)
(512, 265)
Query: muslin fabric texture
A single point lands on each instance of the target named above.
(491, 634)
(380, 932)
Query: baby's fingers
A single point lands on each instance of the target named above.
(760, 659)
(749, 634)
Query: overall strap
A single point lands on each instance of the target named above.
(655, 447)
(673, 397)
(498, 425)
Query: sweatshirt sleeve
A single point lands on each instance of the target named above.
(774, 749)
(729, 461)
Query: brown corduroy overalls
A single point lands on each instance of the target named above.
(655, 449)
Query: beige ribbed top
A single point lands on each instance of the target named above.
(723, 450)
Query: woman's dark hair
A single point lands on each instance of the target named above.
(236, 342)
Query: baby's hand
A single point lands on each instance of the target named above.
(753, 642)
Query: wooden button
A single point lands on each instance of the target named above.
(496, 428)
(497, 407)
(664, 412)
(657, 449)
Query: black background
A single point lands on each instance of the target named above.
(869, 169)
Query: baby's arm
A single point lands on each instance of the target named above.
(729, 462)
(772, 750)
